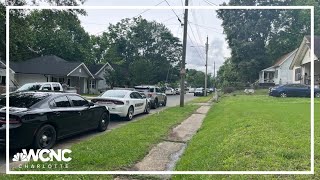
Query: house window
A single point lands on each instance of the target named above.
(3, 80)
(69, 82)
(92, 84)
(276, 74)
(57, 79)
(297, 74)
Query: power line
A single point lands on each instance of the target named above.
(170, 18)
(197, 28)
(174, 12)
(210, 3)
(149, 9)
(195, 40)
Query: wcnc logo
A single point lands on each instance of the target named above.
(43, 155)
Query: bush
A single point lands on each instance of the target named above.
(228, 90)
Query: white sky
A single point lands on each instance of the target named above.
(202, 23)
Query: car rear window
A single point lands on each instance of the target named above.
(23, 100)
(115, 93)
(144, 89)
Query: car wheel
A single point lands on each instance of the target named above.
(148, 107)
(283, 95)
(130, 114)
(45, 137)
(155, 104)
(165, 102)
(317, 95)
(104, 122)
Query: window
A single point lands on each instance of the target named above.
(3, 80)
(297, 74)
(56, 87)
(57, 79)
(92, 84)
(62, 101)
(46, 87)
(158, 90)
(78, 101)
(69, 82)
(137, 95)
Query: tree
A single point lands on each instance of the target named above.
(147, 49)
(257, 38)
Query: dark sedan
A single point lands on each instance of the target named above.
(41, 118)
(293, 90)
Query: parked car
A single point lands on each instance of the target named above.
(41, 118)
(148, 99)
(293, 90)
(124, 103)
(191, 90)
(199, 92)
(178, 91)
(154, 93)
(170, 91)
(211, 90)
(41, 86)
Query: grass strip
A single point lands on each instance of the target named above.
(254, 133)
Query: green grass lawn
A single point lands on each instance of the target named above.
(122, 147)
(253, 133)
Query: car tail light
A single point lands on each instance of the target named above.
(12, 120)
(118, 102)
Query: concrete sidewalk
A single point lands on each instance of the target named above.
(164, 156)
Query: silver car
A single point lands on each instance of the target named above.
(154, 93)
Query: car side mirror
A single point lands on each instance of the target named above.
(91, 104)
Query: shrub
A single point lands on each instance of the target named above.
(228, 90)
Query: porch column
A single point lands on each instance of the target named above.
(262, 76)
(268, 76)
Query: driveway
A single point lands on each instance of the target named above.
(172, 100)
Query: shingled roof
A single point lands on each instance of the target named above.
(94, 68)
(316, 45)
(49, 65)
(283, 58)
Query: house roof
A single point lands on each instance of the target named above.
(49, 65)
(283, 58)
(316, 45)
(304, 46)
(94, 68)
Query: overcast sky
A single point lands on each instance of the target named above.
(202, 23)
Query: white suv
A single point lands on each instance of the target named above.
(41, 86)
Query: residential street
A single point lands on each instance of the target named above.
(173, 100)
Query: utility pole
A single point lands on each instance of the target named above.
(184, 49)
(206, 75)
(214, 69)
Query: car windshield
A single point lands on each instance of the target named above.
(23, 100)
(29, 87)
(115, 93)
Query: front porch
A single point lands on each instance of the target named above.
(267, 76)
(306, 73)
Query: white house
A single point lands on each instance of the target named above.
(301, 64)
(279, 73)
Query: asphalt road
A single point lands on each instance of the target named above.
(172, 100)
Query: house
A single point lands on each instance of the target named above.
(301, 64)
(279, 72)
(99, 83)
(52, 69)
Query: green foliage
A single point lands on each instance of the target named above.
(147, 51)
(197, 78)
(257, 38)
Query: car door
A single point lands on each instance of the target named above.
(135, 102)
(87, 119)
(141, 102)
(159, 95)
(64, 115)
